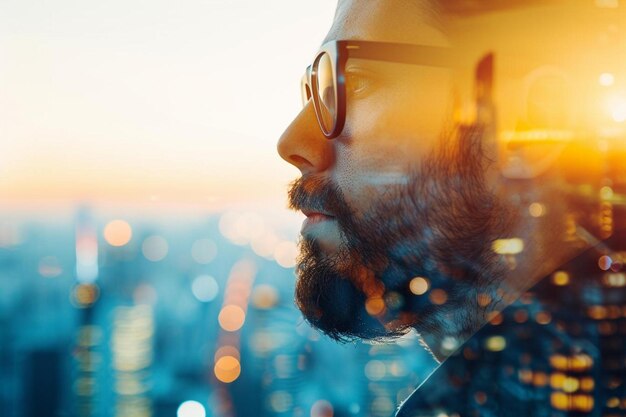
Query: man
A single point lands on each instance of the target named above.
(418, 218)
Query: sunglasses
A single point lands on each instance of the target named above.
(324, 80)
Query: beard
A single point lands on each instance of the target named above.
(439, 225)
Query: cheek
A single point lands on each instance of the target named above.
(388, 133)
(364, 175)
(374, 159)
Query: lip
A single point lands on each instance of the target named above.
(313, 218)
(311, 212)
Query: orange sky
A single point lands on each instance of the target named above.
(173, 103)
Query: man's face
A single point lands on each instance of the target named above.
(387, 199)
(394, 112)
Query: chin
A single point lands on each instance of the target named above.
(331, 297)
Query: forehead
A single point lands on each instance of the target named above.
(405, 21)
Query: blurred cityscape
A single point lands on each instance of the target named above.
(105, 316)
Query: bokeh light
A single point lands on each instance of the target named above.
(322, 408)
(375, 370)
(382, 406)
(265, 245)
(604, 262)
(374, 306)
(449, 343)
(281, 401)
(543, 317)
(154, 248)
(537, 209)
(615, 279)
(191, 409)
(285, 254)
(84, 295)
(418, 285)
(227, 350)
(249, 226)
(49, 267)
(242, 228)
(606, 79)
(438, 296)
(227, 369)
(118, 233)
(145, 294)
(560, 278)
(606, 193)
(264, 297)
(204, 288)
(231, 318)
(495, 343)
(511, 246)
(203, 251)
(617, 108)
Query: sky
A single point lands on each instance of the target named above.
(136, 101)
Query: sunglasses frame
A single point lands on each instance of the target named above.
(340, 51)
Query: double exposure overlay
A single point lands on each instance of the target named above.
(462, 175)
(337, 208)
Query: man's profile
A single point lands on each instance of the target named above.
(452, 156)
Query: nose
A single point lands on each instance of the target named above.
(304, 145)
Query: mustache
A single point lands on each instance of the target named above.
(319, 194)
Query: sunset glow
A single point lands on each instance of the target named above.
(136, 105)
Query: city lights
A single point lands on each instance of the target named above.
(560, 278)
(615, 279)
(86, 247)
(418, 285)
(227, 350)
(265, 244)
(285, 254)
(537, 209)
(281, 401)
(495, 343)
(605, 262)
(117, 233)
(231, 318)
(617, 109)
(204, 251)
(374, 370)
(155, 248)
(148, 265)
(606, 79)
(84, 295)
(227, 369)
(264, 297)
(50, 267)
(191, 409)
(511, 246)
(374, 306)
(322, 408)
(204, 288)
(438, 296)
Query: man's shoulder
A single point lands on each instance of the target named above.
(484, 377)
(539, 357)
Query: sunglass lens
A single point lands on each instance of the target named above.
(326, 92)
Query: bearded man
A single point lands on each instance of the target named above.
(453, 154)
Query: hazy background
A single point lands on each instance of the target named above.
(137, 102)
(146, 254)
